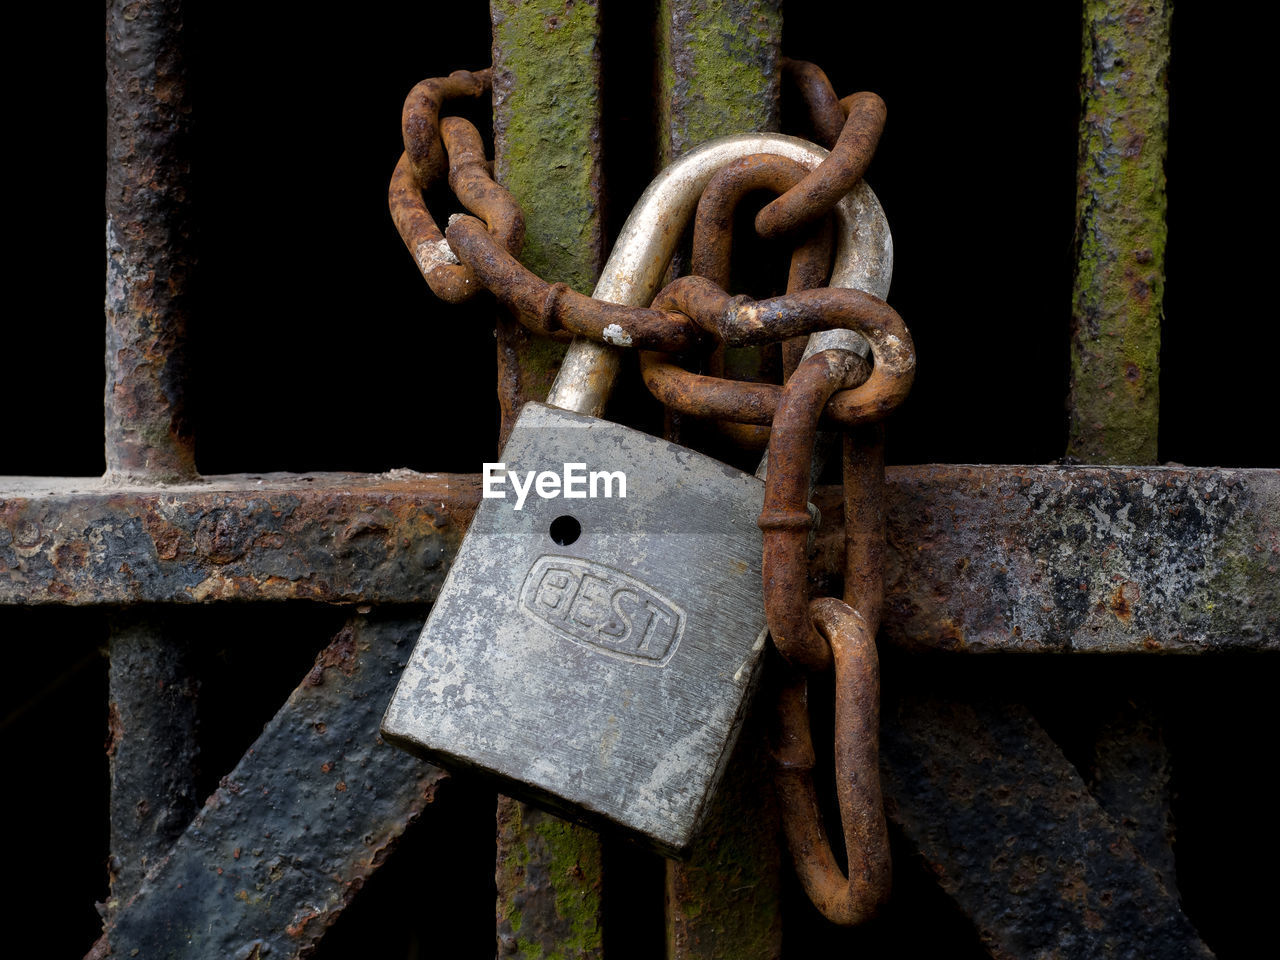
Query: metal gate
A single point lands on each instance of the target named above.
(1102, 797)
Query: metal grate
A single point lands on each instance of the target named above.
(312, 346)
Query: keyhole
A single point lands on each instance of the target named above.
(565, 530)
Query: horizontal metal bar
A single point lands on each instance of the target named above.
(980, 558)
(334, 537)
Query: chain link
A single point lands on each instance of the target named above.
(693, 316)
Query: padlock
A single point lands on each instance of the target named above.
(595, 652)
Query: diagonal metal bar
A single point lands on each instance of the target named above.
(1007, 826)
(979, 559)
(546, 120)
(311, 811)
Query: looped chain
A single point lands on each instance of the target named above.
(695, 315)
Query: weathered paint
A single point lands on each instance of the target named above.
(546, 120)
(310, 812)
(551, 874)
(717, 70)
(1120, 233)
(979, 558)
(149, 249)
(1006, 824)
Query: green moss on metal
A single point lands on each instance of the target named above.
(546, 60)
(546, 120)
(549, 886)
(1120, 233)
(718, 70)
(575, 869)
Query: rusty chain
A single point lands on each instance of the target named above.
(692, 316)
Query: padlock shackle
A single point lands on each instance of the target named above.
(634, 271)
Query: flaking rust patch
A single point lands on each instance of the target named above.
(432, 254)
(615, 335)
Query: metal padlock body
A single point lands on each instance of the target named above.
(614, 684)
(607, 677)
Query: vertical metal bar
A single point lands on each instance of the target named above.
(718, 75)
(152, 748)
(148, 241)
(152, 714)
(546, 121)
(1120, 233)
(546, 102)
(718, 70)
(1113, 405)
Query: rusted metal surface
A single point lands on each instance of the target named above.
(633, 272)
(851, 896)
(812, 636)
(705, 396)
(551, 307)
(713, 223)
(1083, 559)
(1009, 829)
(1120, 233)
(717, 75)
(785, 519)
(864, 520)
(470, 181)
(685, 312)
(152, 693)
(549, 885)
(338, 538)
(423, 164)
(979, 558)
(825, 112)
(152, 747)
(312, 810)
(547, 116)
(836, 175)
(740, 320)
(420, 120)
(149, 249)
